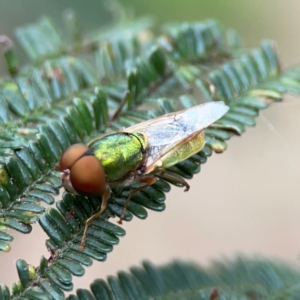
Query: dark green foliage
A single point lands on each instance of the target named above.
(240, 279)
(100, 83)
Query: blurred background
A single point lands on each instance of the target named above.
(245, 201)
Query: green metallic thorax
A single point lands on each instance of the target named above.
(119, 153)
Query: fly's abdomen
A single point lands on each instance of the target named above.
(184, 150)
(119, 153)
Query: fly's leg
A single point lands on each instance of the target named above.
(148, 181)
(164, 174)
(151, 180)
(93, 217)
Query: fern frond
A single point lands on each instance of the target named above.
(242, 278)
(41, 40)
(239, 279)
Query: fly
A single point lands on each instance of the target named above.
(136, 155)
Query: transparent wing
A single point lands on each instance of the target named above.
(167, 131)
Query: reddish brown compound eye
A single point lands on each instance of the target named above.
(87, 176)
(70, 156)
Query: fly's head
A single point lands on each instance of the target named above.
(82, 172)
